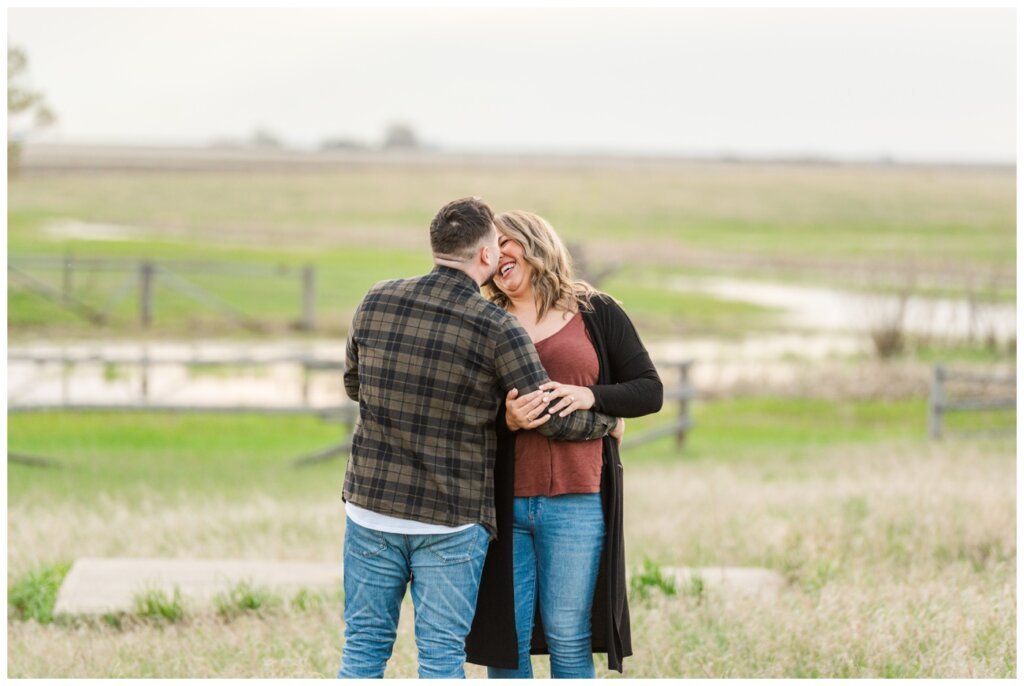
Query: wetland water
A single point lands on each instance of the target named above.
(824, 324)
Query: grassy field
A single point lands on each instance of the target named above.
(854, 226)
(343, 277)
(142, 455)
(859, 213)
(900, 555)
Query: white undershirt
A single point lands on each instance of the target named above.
(395, 525)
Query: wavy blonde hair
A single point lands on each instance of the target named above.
(554, 285)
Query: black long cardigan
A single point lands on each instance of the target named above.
(627, 386)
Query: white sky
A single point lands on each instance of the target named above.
(916, 84)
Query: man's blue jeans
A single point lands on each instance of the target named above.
(556, 545)
(445, 573)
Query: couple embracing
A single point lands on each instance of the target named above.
(485, 469)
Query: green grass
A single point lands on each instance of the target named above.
(343, 277)
(664, 312)
(156, 605)
(34, 595)
(245, 597)
(649, 579)
(741, 427)
(978, 352)
(774, 211)
(980, 288)
(146, 455)
(165, 455)
(306, 600)
(872, 537)
(358, 228)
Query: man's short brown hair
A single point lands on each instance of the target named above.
(459, 227)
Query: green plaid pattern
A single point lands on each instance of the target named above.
(429, 360)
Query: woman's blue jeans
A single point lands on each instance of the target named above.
(556, 545)
(444, 573)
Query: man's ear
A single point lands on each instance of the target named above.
(485, 255)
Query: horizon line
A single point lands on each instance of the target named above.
(621, 154)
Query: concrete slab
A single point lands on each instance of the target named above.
(751, 581)
(100, 585)
(96, 586)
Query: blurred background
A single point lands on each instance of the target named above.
(809, 215)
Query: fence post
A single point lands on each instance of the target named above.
(146, 272)
(935, 403)
(144, 376)
(65, 382)
(308, 297)
(684, 406)
(67, 283)
(305, 382)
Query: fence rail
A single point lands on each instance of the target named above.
(343, 412)
(142, 276)
(147, 363)
(682, 393)
(939, 405)
(326, 412)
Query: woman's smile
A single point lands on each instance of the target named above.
(511, 271)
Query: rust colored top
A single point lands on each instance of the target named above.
(545, 467)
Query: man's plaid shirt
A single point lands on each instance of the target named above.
(430, 359)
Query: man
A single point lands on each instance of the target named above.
(428, 359)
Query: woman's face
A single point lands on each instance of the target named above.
(513, 275)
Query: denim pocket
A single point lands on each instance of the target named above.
(461, 546)
(366, 542)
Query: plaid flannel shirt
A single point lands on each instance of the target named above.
(429, 360)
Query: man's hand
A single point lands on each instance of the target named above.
(526, 412)
(572, 397)
(619, 431)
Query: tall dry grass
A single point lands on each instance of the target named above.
(901, 561)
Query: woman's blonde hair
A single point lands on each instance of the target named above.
(553, 283)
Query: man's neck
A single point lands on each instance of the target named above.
(460, 266)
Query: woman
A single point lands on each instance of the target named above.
(554, 581)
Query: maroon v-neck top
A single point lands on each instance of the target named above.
(545, 467)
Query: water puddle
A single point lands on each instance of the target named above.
(826, 309)
(91, 231)
(218, 374)
(208, 374)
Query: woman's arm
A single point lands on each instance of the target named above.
(637, 389)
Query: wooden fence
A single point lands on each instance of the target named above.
(682, 393)
(344, 412)
(940, 404)
(141, 277)
(144, 399)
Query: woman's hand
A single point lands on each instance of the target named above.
(526, 412)
(572, 397)
(619, 431)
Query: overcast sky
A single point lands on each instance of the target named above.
(915, 84)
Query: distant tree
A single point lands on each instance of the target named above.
(342, 144)
(22, 103)
(400, 136)
(262, 138)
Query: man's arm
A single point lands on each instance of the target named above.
(352, 362)
(518, 366)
